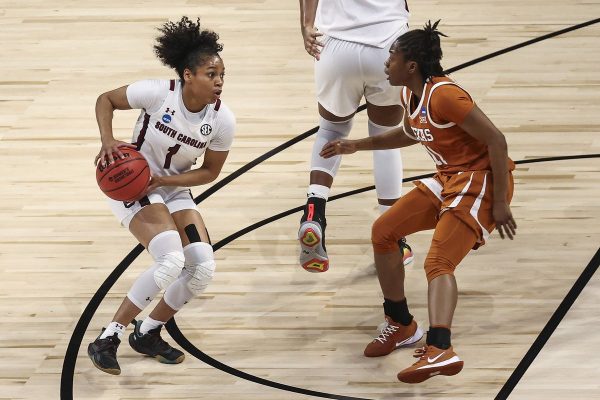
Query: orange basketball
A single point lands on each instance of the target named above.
(126, 179)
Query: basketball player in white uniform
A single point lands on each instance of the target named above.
(181, 121)
(350, 41)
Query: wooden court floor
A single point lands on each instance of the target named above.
(263, 314)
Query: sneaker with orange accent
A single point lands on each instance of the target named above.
(313, 255)
(393, 336)
(406, 251)
(432, 362)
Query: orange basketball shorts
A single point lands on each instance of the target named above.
(458, 206)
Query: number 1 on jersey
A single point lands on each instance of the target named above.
(172, 151)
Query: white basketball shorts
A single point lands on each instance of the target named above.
(175, 200)
(347, 71)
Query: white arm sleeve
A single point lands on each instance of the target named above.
(148, 94)
(225, 128)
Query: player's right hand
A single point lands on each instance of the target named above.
(338, 147)
(108, 150)
(312, 44)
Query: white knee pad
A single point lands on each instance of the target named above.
(197, 273)
(327, 132)
(387, 167)
(168, 256)
(200, 266)
(169, 268)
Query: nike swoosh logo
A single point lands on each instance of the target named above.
(434, 359)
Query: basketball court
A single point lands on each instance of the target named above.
(265, 328)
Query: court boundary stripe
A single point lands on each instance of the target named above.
(70, 360)
(550, 327)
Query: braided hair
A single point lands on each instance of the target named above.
(184, 44)
(423, 47)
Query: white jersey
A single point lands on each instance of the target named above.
(371, 22)
(169, 136)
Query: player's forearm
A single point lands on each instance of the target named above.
(498, 153)
(194, 177)
(104, 117)
(392, 139)
(308, 11)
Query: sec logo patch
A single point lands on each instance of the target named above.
(206, 130)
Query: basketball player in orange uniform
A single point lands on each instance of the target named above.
(181, 120)
(467, 198)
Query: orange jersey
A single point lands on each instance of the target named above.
(435, 120)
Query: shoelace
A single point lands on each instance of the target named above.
(422, 354)
(387, 331)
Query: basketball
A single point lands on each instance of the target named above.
(125, 179)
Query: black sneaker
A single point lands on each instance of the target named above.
(152, 345)
(103, 353)
(406, 251)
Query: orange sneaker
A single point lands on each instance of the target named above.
(393, 336)
(432, 362)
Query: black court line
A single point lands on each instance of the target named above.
(68, 370)
(200, 355)
(552, 324)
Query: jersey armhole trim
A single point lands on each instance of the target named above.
(449, 124)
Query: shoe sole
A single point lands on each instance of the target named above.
(313, 257)
(111, 371)
(411, 340)
(163, 360)
(418, 376)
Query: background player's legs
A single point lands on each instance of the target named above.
(387, 164)
(313, 254)
(411, 213)
(331, 127)
(339, 87)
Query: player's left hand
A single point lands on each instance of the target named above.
(338, 147)
(504, 220)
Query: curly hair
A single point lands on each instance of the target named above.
(184, 44)
(423, 46)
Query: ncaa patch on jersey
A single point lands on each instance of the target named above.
(166, 118)
(205, 129)
(423, 115)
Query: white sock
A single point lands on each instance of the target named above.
(150, 324)
(318, 191)
(383, 208)
(112, 328)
